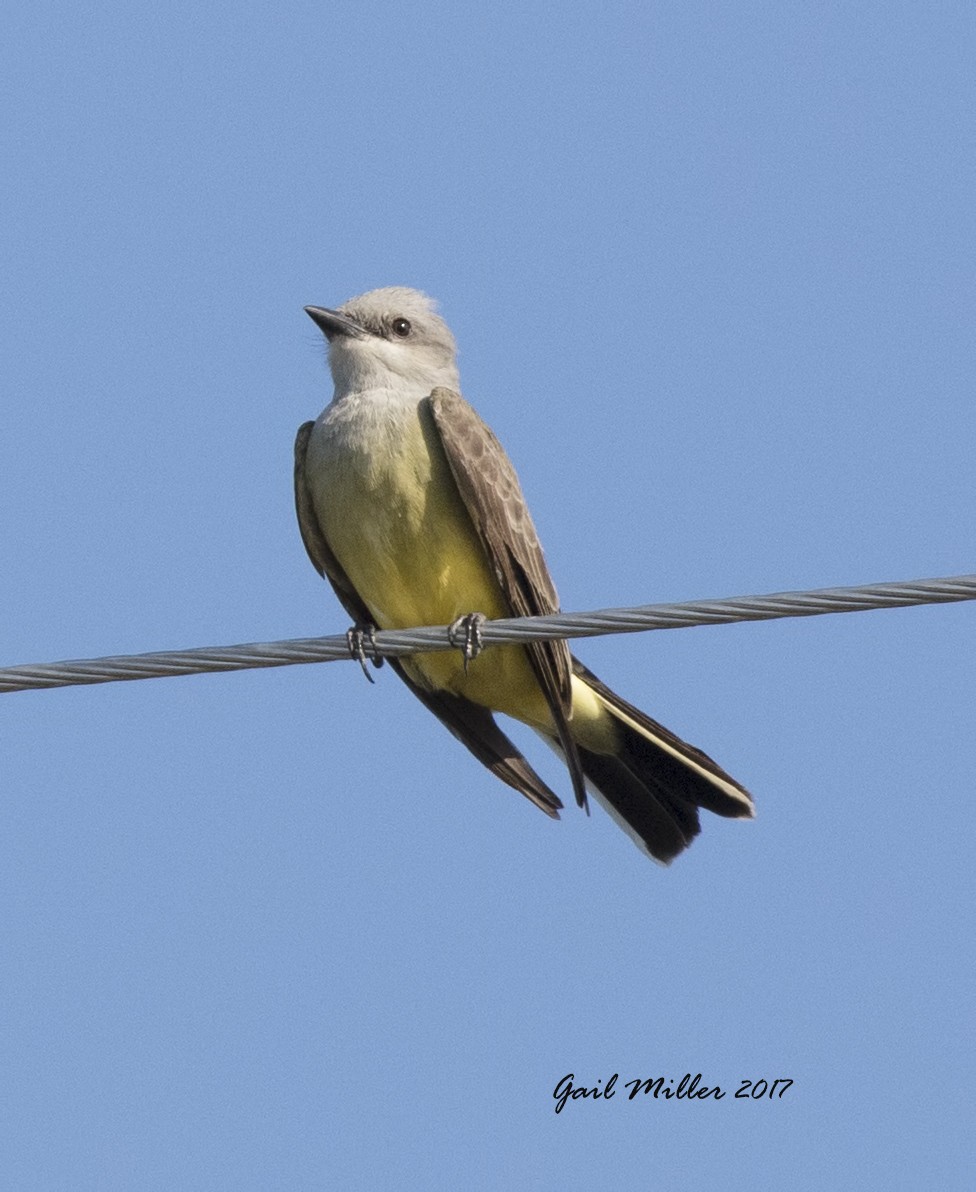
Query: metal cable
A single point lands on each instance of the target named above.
(394, 643)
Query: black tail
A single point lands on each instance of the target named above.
(654, 783)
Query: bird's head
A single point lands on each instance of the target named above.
(388, 338)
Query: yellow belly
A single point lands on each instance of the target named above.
(397, 525)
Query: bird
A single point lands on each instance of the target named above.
(409, 506)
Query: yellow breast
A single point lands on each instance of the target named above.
(391, 512)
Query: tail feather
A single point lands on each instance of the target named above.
(654, 783)
(658, 824)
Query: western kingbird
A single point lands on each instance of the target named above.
(410, 507)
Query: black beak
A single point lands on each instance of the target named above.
(334, 322)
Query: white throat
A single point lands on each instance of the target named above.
(365, 365)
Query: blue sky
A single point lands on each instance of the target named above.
(711, 270)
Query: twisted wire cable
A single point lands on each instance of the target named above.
(395, 643)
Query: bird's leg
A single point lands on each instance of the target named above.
(465, 633)
(355, 638)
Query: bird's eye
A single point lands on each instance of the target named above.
(401, 327)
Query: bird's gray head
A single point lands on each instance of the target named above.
(388, 339)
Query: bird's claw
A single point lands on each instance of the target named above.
(356, 638)
(465, 633)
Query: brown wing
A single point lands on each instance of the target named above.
(476, 729)
(319, 551)
(471, 724)
(493, 498)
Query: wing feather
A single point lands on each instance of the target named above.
(493, 498)
(319, 551)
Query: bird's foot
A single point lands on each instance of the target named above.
(356, 638)
(465, 633)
